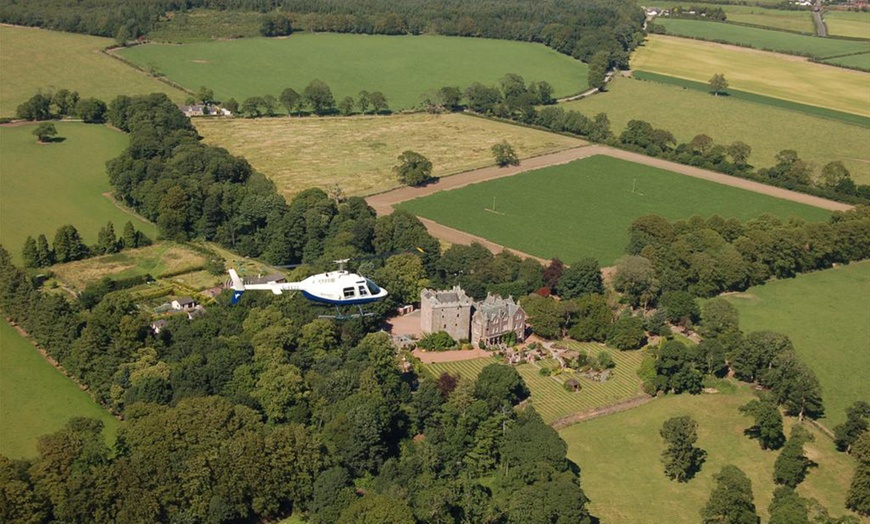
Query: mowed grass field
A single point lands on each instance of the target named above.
(154, 260)
(40, 60)
(45, 186)
(359, 152)
(622, 471)
(789, 20)
(549, 397)
(855, 24)
(771, 74)
(760, 38)
(584, 208)
(36, 399)
(687, 113)
(827, 316)
(402, 67)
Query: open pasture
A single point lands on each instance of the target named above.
(687, 113)
(826, 314)
(48, 185)
(622, 471)
(854, 24)
(358, 152)
(197, 25)
(36, 399)
(584, 208)
(549, 396)
(859, 61)
(788, 20)
(155, 260)
(38, 59)
(760, 38)
(771, 74)
(404, 68)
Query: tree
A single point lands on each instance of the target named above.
(593, 319)
(680, 457)
(858, 496)
(681, 307)
(378, 102)
(231, 105)
(106, 241)
(795, 386)
(450, 97)
(290, 100)
(768, 422)
(834, 175)
(65, 101)
(29, 253)
(377, 509)
(251, 106)
(504, 154)
(791, 465)
(68, 245)
(44, 254)
(413, 169)
(731, 500)
(45, 133)
(675, 368)
(205, 95)
(91, 110)
(627, 333)
(847, 433)
(787, 507)
(37, 108)
(739, 152)
(269, 105)
(701, 144)
(718, 84)
(364, 101)
(345, 107)
(318, 95)
(718, 317)
(635, 277)
(499, 385)
(172, 218)
(598, 65)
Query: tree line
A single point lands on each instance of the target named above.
(68, 245)
(578, 28)
(317, 96)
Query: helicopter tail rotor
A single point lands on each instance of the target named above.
(238, 287)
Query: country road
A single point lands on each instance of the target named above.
(383, 203)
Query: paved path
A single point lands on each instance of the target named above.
(383, 203)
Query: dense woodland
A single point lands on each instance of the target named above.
(579, 28)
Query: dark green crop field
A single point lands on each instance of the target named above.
(584, 208)
(402, 67)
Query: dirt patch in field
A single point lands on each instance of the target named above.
(200, 61)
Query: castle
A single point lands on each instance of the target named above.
(492, 321)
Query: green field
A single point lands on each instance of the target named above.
(760, 38)
(36, 399)
(619, 456)
(45, 186)
(584, 208)
(37, 59)
(827, 316)
(549, 396)
(359, 152)
(788, 20)
(853, 24)
(860, 61)
(402, 67)
(198, 25)
(770, 74)
(687, 113)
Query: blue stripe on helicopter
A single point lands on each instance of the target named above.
(349, 301)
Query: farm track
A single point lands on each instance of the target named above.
(383, 203)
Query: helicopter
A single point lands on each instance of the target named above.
(335, 288)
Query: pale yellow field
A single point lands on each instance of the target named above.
(33, 60)
(770, 74)
(358, 152)
(848, 23)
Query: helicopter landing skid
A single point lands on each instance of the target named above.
(343, 316)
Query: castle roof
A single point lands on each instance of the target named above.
(446, 298)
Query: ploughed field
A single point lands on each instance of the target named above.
(404, 68)
(359, 152)
(584, 208)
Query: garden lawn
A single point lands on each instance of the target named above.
(584, 208)
(41, 60)
(549, 396)
(36, 399)
(619, 456)
(788, 20)
(359, 152)
(760, 38)
(855, 24)
(687, 113)
(45, 186)
(827, 316)
(404, 68)
(770, 74)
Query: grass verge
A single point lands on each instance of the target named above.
(404, 68)
(826, 315)
(36, 399)
(584, 208)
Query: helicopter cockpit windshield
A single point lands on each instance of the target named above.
(373, 288)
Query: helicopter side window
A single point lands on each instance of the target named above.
(373, 288)
(362, 291)
(348, 292)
